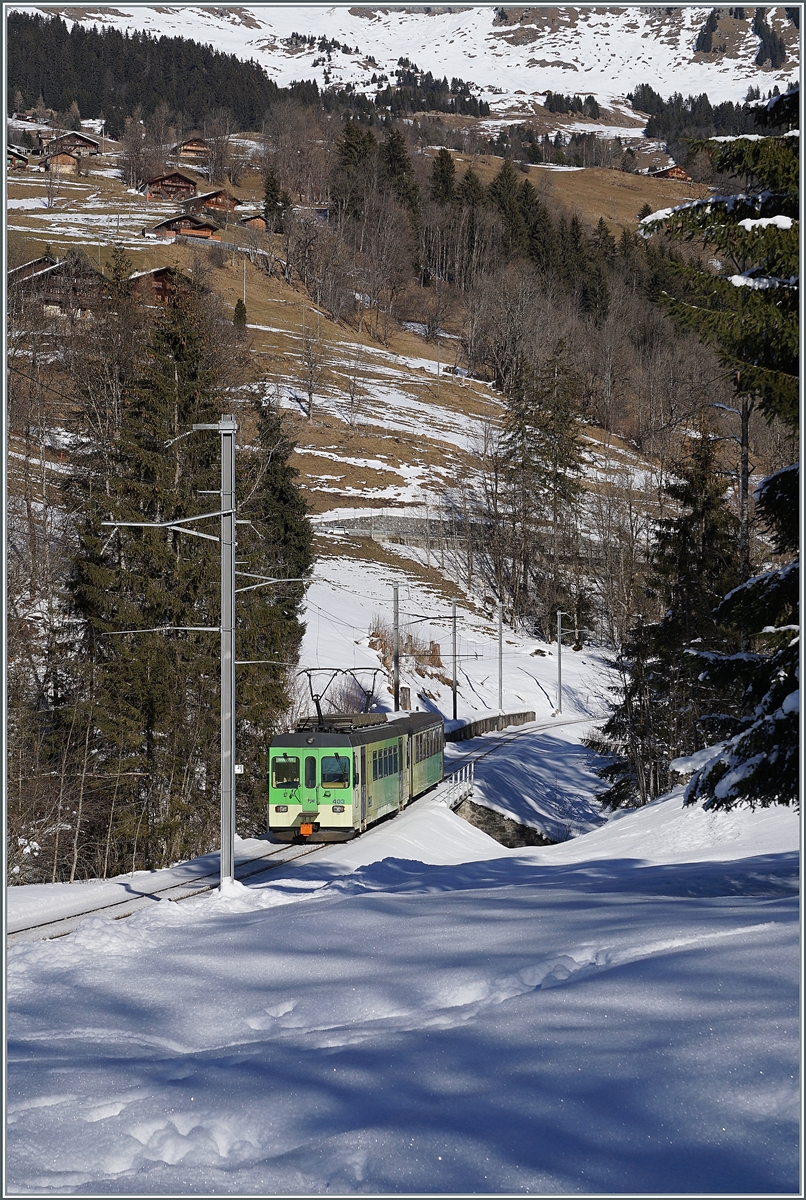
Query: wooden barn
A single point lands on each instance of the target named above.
(172, 185)
(15, 159)
(673, 172)
(71, 142)
(26, 270)
(217, 201)
(254, 221)
(186, 225)
(154, 286)
(192, 149)
(63, 162)
(71, 286)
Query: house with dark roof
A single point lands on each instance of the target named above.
(69, 286)
(193, 149)
(171, 185)
(219, 200)
(186, 225)
(71, 142)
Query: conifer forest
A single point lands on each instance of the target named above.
(691, 585)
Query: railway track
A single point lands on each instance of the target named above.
(246, 869)
(506, 738)
(174, 892)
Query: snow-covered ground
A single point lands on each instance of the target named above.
(603, 51)
(424, 1011)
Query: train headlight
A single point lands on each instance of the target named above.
(338, 808)
(281, 808)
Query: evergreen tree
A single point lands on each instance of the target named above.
(541, 242)
(595, 293)
(603, 241)
(239, 317)
(470, 191)
(503, 195)
(663, 702)
(397, 170)
(355, 171)
(749, 312)
(277, 543)
(154, 696)
(277, 203)
(443, 178)
(543, 454)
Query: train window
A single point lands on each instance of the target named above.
(285, 771)
(356, 779)
(385, 761)
(374, 764)
(310, 771)
(335, 771)
(395, 767)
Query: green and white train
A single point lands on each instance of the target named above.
(332, 780)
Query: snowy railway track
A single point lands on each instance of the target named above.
(175, 892)
(507, 738)
(246, 869)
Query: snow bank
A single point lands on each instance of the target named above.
(423, 1011)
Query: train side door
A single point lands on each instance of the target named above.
(363, 785)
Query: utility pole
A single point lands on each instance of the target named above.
(500, 658)
(559, 661)
(396, 648)
(227, 428)
(453, 617)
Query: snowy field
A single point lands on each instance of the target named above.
(422, 1010)
(425, 1011)
(604, 51)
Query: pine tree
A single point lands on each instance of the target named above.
(277, 203)
(470, 191)
(749, 313)
(443, 178)
(154, 695)
(239, 317)
(662, 702)
(543, 454)
(397, 170)
(503, 195)
(541, 241)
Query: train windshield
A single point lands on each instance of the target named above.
(285, 772)
(335, 771)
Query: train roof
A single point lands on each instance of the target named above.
(377, 731)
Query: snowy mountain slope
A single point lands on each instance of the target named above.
(601, 51)
(423, 1011)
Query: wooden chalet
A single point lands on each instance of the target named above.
(192, 149)
(68, 287)
(154, 286)
(218, 201)
(64, 162)
(254, 221)
(673, 172)
(71, 142)
(25, 270)
(186, 225)
(173, 185)
(15, 159)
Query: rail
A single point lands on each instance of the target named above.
(457, 786)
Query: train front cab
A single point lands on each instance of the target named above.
(313, 786)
